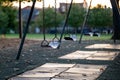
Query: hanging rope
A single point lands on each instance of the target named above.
(85, 21)
(65, 23)
(55, 41)
(44, 43)
(55, 24)
(25, 30)
(67, 34)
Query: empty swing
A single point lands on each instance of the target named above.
(44, 43)
(55, 41)
(67, 35)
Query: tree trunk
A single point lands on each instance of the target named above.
(20, 26)
(116, 19)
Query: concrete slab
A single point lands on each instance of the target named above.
(56, 71)
(105, 53)
(105, 46)
(82, 70)
(74, 77)
(67, 74)
(37, 75)
(59, 79)
(24, 78)
(99, 58)
(87, 66)
(44, 72)
(77, 78)
(50, 69)
(91, 55)
(57, 65)
(78, 55)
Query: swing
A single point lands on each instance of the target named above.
(69, 36)
(44, 43)
(65, 24)
(85, 21)
(55, 41)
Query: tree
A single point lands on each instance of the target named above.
(76, 18)
(116, 19)
(9, 2)
(3, 22)
(12, 15)
(49, 18)
(100, 17)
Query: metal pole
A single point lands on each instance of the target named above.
(25, 31)
(85, 21)
(55, 20)
(20, 27)
(44, 36)
(65, 23)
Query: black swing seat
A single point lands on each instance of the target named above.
(71, 37)
(68, 38)
(45, 43)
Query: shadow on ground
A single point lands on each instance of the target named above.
(34, 55)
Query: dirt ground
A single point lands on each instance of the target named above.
(34, 55)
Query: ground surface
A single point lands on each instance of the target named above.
(34, 55)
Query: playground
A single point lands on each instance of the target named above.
(62, 63)
(61, 58)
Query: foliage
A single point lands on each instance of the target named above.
(76, 18)
(12, 15)
(100, 17)
(49, 18)
(3, 21)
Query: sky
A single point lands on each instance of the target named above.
(51, 3)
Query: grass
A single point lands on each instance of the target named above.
(51, 36)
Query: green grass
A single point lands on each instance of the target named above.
(50, 36)
(102, 37)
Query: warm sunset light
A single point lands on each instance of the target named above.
(51, 3)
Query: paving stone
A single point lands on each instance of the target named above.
(37, 74)
(78, 55)
(59, 79)
(45, 71)
(57, 65)
(67, 74)
(82, 70)
(105, 53)
(99, 58)
(105, 46)
(74, 78)
(24, 78)
(87, 66)
(49, 69)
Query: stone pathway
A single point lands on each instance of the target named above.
(105, 46)
(60, 71)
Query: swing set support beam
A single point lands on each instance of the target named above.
(25, 30)
(85, 21)
(65, 23)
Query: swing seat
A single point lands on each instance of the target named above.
(68, 38)
(54, 44)
(45, 43)
(74, 37)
